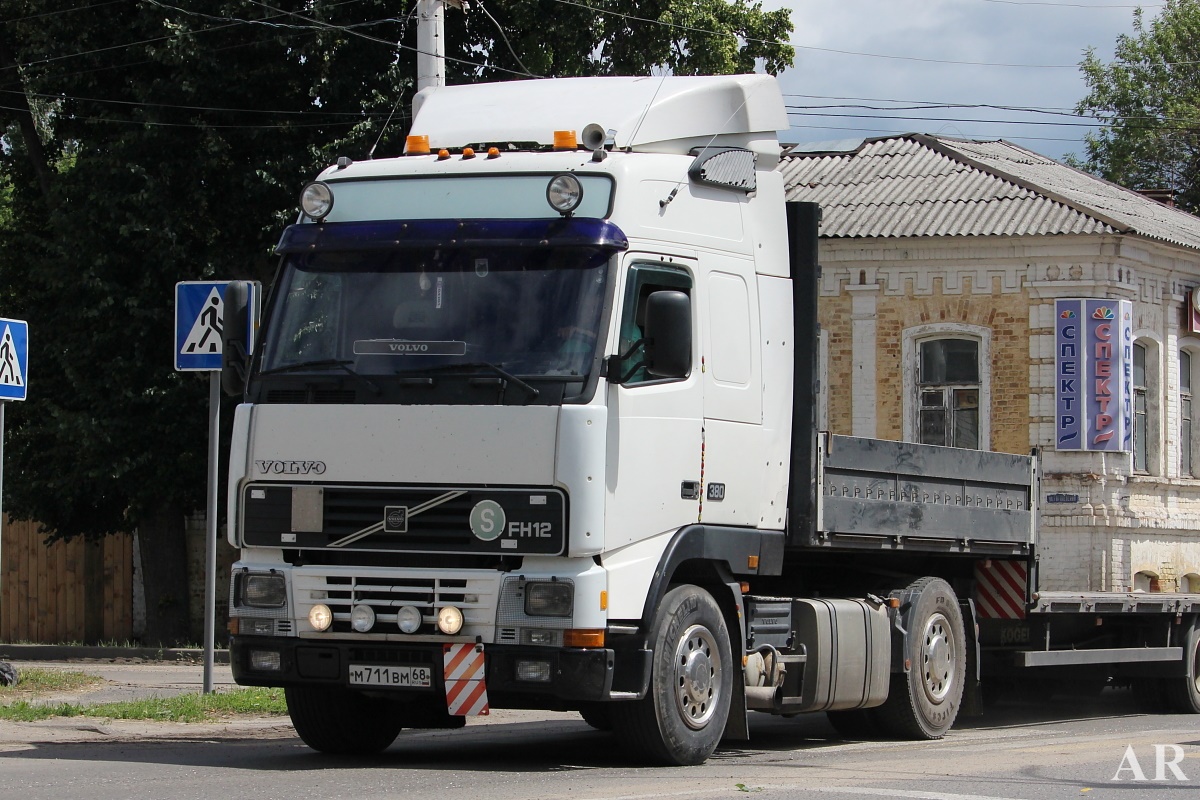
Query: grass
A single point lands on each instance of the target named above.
(181, 708)
(19, 703)
(40, 681)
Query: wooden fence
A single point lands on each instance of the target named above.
(64, 592)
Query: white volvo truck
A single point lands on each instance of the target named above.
(530, 424)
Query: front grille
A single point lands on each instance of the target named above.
(406, 519)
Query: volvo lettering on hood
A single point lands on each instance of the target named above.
(270, 467)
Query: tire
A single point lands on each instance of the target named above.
(924, 702)
(856, 723)
(1183, 692)
(336, 720)
(597, 715)
(681, 719)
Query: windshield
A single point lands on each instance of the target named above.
(383, 314)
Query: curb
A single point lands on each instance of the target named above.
(57, 652)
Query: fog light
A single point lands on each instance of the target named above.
(362, 618)
(265, 660)
(449, 620)
(320, 617)
(533, 671)
(409, 619)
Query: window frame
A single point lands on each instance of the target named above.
(912, 340)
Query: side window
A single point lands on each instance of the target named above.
(948, 390)
(644, 280)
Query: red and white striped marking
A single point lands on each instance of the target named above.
(466, 688)
(1000, 589)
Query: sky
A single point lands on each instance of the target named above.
(892, 52)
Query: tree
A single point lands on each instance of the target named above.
(151, 141)
(1148, 98)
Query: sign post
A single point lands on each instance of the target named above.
(14, 378)
(199, 317)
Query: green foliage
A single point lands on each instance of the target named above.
(1149, 99)
(572, 38)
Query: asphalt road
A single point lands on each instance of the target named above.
(1028, 751)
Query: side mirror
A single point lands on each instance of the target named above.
(668, 334)
(235, 338)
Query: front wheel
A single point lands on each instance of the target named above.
(923, 702)
(683, 715)
(336, 720)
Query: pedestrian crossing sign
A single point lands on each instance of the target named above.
(14, 359)
(199, 315)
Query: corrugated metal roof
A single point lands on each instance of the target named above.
(920, 185)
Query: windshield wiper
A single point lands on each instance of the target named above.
(340, 363)
(475, 365)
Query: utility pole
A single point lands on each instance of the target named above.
(431, 44)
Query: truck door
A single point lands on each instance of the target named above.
(655, 447)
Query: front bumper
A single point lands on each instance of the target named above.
(576, 674)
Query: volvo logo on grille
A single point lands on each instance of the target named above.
(272, 467)
(395, 519)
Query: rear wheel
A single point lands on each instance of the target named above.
(923, 702)
(1183, 692)
(682, 717)
(336, 720)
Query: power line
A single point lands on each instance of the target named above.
(61, 11)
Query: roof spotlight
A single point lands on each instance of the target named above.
(564, 193)
(316, 201)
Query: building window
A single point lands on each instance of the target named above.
(1190, 583)
(948, 388)
(1186, 445)
(1140, 426)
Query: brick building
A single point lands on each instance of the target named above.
(942, 261)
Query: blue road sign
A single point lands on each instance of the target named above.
(199, 315)
(14, 359)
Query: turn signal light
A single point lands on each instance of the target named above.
(583, 638)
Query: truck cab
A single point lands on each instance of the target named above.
(514, 394)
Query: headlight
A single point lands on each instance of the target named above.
(449, 620)
(564, 193)
(362, 618)
(320, 617)
(549, 598)
(409, 619)
(316, 200)
(263, 591)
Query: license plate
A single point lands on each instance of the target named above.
(402, 677)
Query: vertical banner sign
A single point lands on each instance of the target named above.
(1093, 375)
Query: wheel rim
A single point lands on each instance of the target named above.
(937, 658)
(697, 676)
